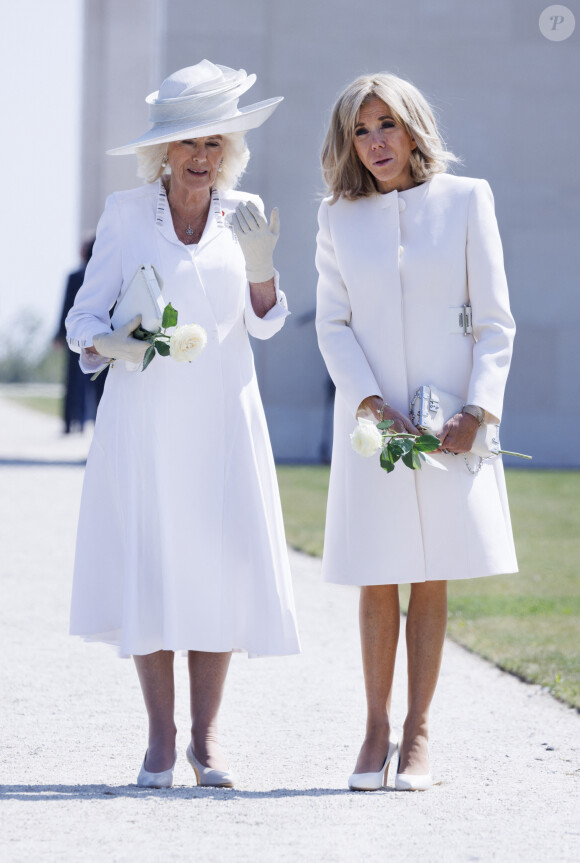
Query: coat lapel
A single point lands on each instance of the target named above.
(213, 227)
(215, 222)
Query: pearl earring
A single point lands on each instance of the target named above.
(220, 168)
(164, 161)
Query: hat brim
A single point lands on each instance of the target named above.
(245, 119)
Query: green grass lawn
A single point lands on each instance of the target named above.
(303, 491)
(47, 405)
(528, 623)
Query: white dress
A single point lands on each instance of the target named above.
(394, 271)
(180, 541)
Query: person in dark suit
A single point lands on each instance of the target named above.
(82, 395)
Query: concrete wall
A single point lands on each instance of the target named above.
(507, 99)
(120, 55)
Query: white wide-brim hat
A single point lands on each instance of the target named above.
(199, 101)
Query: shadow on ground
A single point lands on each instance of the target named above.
(34, 793)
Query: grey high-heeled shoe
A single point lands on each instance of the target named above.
(164, 779)
(207, 775)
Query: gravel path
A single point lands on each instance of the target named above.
(507, 756)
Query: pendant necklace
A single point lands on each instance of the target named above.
(189, 231)
(192, 232)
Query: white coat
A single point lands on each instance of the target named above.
(180, 543)
(390, 268)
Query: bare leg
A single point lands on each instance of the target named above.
(379, 618)
(207, 676)
(155, 672)
(426, 624)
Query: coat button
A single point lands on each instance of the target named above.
(402, 205)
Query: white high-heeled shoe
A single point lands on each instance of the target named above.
(164, 779)
(412, 781)
(207, 775)
(374, 781)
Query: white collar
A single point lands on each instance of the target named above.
(215, 217)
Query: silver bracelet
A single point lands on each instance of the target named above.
(475, 411)
(382, 411)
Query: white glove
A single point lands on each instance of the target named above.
(120, 345)
(257, 240)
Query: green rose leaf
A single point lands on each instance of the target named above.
(385, 424)
(427, 443)
(142, 335)
(402, 445)
(412, 460)
(394, 451)
(149, 355)
(387, 460)
(162, 348)
(169, 317)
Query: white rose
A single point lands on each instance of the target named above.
(366, 439)
(187, 342)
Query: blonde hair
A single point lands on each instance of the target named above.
(343, 172)
(235, 160)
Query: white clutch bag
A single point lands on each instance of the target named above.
(142, 296)
(430, 408)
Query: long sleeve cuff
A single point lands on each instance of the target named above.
(91, 363)
(89, 330)
(273, 320)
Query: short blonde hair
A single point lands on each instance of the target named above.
(344, 173)
(235, 160)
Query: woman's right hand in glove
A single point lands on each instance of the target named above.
(120, 344)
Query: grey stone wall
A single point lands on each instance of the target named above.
(120, 64)
(507, 99)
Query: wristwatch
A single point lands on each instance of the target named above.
(474, 411)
